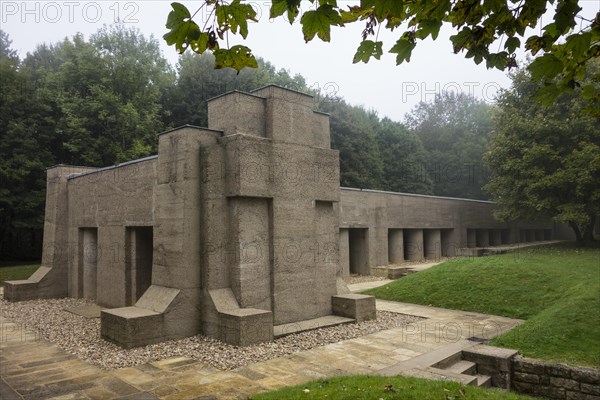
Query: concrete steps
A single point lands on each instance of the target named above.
(446, 363)
(460, 370)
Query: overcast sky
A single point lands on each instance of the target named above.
(380, 85)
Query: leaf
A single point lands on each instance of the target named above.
(201, 44)
(234, 16)
(279, 7)
(403, 48)
(512, 44)
(319, 22)
(429, 27)
(545, 67)
(368, 49)
(177, 15)
(579, 44)
(237, 58)
(384, 8)
(182, 35)
(547, 94)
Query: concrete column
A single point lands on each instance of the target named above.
(344, 249)
(495, 237)
(450, 242)
(413, 244)
(395, 246)
(471, 238)
(483, 237)
(432, 244)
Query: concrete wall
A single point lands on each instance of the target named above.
(431, 226)
(101, 206)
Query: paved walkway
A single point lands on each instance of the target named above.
(31, 368)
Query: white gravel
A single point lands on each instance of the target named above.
(80, 336)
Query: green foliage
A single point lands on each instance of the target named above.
(555, 288)
(546, 161)
(454, 130)
(225, 17)
(78, 102)
(375, 153)
(569, 42)
(363, 387)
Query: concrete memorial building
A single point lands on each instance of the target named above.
(239, 231)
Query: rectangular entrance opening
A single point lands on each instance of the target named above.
(359, 250)
(139, 262)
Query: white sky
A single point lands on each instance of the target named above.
(380, 85)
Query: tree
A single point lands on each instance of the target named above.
(24, 155)
(454, 130)
(404, 159)
(490, 30)
(198, 81)
(546, 161)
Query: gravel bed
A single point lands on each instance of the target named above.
(80, 336)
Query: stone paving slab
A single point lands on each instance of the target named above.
(32, 368)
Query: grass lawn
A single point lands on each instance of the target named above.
(12, 271)
(377, 387)
(555, 288)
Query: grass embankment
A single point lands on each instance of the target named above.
(376, 387)
(13, 271)
(555, 288)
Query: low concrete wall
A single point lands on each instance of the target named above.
(554, 381)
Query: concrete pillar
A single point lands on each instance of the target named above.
(344, 249)
(413, 244)
(432, 247)
(471, 238)
(483, 237)
(450, 242)
(495, 237)
(395, 246)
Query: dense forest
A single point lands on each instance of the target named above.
(103, 100)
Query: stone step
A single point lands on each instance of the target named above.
(442, 374)
(463, 367)
(301, 326)
(484, 380)
(448, 360)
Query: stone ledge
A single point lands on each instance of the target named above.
(131, 326)
(356, 306)
(246, 326)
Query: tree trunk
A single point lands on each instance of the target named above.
(584, 233)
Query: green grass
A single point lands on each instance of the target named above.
(378, 387)
(12, 271)
(555, 288)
